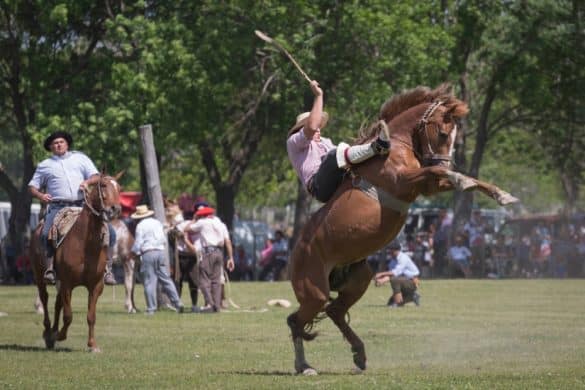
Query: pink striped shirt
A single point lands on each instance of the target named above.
(305, 154)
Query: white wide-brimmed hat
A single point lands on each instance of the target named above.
(302, 120)
(142, 211)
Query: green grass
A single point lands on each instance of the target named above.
(491, 334)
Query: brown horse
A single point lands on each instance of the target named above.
(122, 253)
(80, 259)
(370, 207)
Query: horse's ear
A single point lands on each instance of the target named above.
(119, 175)
(104, 169)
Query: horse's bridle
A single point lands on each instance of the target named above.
(430, 157)
(88, 203)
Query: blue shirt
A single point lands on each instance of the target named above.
(402, 265)
(62, 175)
(150, 235)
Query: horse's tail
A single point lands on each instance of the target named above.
(306, 332)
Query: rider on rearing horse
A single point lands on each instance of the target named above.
(318, 162)
(65, 176)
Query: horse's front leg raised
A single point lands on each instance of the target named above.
(349, 293)
(94, 294)
(439, 179)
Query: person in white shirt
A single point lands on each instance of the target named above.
(214, 238)
(459, 255)
(150, 243)
(403, 275)
(64, 177)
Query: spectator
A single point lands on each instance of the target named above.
(243, 265)
(214, 239)
(187, 263)
(475, 231)
(403, 276)
(581, 254)
(420, 249)
(523, 257)
(459, 255)
(563, 252)
(500, 258)
(24, 267)
(441, 243)
(150, 244)
(278, 258)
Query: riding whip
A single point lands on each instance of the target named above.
(266, 38)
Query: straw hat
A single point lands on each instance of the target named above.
(204, 211)
(302, 120)
(142, 211)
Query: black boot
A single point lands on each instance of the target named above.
(49, 275)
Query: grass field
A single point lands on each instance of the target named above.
(491, 334)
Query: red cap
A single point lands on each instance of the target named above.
(204, 211)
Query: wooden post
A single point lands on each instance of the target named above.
(151, 170)
(154, 188)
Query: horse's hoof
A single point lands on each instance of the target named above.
(359, 357)
(466, 184)
(310, 371)
(357, 371)
(61, 337)
(49, 342)
(505, 198)
(94, 349)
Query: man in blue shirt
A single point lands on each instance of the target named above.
(403, 275)
(64, 176)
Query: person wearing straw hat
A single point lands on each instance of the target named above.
(318, 162)
(150, 243)
(64, 177)
(214, 239)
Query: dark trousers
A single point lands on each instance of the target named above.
(326, 180)
(402, 285)
(186, 270)
(210, 269)
(276, 266)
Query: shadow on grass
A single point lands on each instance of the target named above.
(26, 348)
(277, 373)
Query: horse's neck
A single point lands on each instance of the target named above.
(89, 227)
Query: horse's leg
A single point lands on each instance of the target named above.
(349, 294)
(94, 294)
(311, 288)
(65, 302)
(502, 197)
(438, 179)
(44, 297)
(129, 285)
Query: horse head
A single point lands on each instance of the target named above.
(104, 198)
(426, 121)
(435, 134)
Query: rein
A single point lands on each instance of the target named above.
(422, 126)
(88, 203)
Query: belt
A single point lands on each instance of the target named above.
(151, 250)
(212, 248)
(68, 203)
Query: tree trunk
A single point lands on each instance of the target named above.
(571, 191)
(225, 197)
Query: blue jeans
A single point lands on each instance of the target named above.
(54, 208)
(154, 270)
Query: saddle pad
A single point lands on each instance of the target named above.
(63, 223)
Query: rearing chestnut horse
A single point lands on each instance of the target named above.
(80, 260)
(370, 207)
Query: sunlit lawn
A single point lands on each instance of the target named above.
(489, 334)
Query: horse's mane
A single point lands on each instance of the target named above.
(413, 97)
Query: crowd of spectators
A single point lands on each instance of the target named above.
(533, 247)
